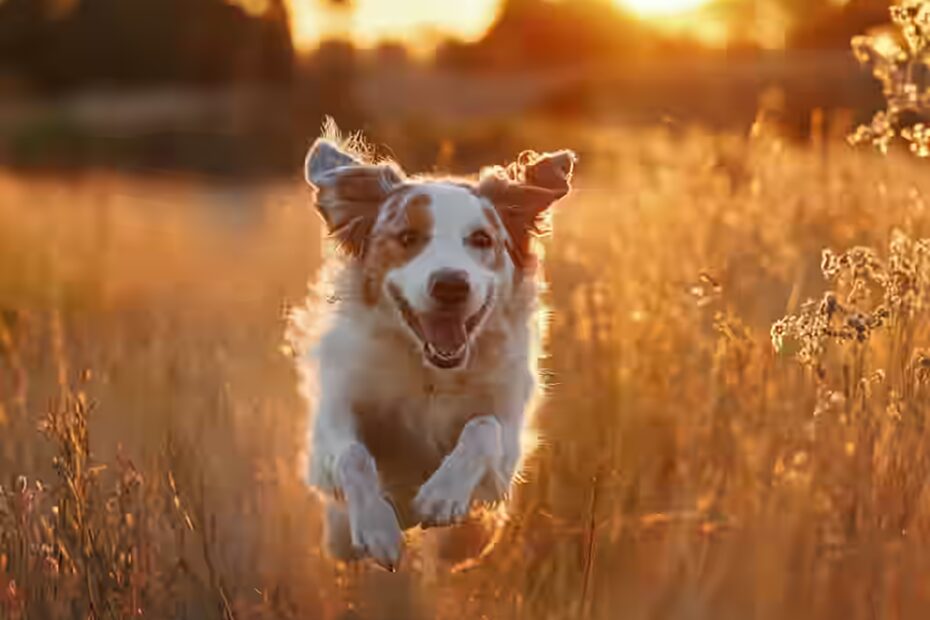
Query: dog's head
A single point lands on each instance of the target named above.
(438, 255)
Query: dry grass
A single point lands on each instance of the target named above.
(689, 470)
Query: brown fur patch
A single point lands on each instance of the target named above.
(350, 202)
(491, 216)
(494, 259)
(409, 212)
(392, 206)
(522, 193)
(419, 216)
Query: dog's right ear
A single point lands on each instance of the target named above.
(522, 194)
(349, 192)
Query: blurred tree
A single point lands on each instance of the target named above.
(800, 11)
(392, 54)
(327, 84)
(542, 34)
(835, 24)
(131, 42)
(821, 24)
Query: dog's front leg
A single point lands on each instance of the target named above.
(373, 525)
(446, 497)
(360, 521)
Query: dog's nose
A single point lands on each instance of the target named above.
(449, 287)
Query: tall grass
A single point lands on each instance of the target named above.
(688, 469)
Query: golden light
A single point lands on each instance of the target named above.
(681, 17)
(660, 8)
(417, 23)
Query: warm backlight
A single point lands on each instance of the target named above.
(658, 8)
(422, 23)
(368, 22)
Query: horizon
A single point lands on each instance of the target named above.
(422, 25)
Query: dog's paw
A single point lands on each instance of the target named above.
(376, 533)
(442, 500)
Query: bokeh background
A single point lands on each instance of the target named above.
(155, 229)
(237, 88)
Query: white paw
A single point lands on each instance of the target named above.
(376, 533)
(442, 500)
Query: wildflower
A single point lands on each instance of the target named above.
(902, 74)
(869, 293)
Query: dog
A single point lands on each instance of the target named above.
(418, 352)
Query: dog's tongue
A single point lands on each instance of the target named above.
(445, 333)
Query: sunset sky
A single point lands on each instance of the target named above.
(416, 22)
(421, 23)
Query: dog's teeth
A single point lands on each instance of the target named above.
(444, 354)
(446, 359)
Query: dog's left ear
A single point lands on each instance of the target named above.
(350, 192)
(523, 192)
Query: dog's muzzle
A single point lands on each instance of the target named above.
(446, 334)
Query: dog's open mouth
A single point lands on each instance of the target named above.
(446, 335)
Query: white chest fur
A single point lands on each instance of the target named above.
(409, 414)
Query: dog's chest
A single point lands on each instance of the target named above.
(412, 421)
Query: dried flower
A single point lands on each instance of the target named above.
(901, 69)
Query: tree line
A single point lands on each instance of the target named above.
(58, 45)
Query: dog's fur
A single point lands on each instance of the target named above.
(419, 408)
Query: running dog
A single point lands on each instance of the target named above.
(418, 353)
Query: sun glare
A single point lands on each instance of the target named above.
(659, 8)
(420, 24)
(417, 23)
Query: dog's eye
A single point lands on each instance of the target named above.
(481, 240)
(408, 238)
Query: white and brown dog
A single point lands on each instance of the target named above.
(419, 361)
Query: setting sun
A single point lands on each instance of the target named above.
(418, 23)
(652, 8)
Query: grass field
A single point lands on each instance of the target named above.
(689, 469)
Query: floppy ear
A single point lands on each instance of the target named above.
(523, 192)
(349, 192)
